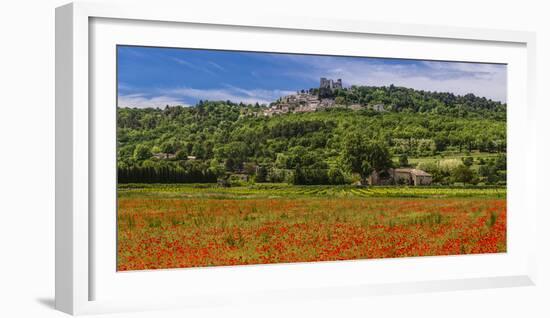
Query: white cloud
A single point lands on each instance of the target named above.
(488, 83)
(216, 65)
(192, 66)
(178, 96)
(486, 80)
(142, 101)
(232, 93)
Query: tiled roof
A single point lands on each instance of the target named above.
(416, 172)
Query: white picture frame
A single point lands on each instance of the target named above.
(77, 161)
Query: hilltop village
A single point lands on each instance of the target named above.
(314, 99)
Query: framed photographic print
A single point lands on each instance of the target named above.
(213, 159)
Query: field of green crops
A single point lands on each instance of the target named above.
(279, 190)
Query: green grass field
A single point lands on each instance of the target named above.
(282, 190)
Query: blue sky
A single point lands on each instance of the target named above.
(155, 77)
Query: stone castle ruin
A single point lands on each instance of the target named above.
(328, 86)
(329, 83)
(312, 100)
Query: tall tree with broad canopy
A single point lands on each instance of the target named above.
(364, 156)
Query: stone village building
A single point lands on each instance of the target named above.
(303, 102)
(306, 101)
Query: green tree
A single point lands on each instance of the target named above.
(468, 161)
(281, 161)
(149, 121)
(403, 160)
(299, 176)
(181, 154)
(462, 174)
(340, 100)
(261, 173)
(365, 156)
(216, 168)
(168, 147)
(249, 168)
(142, 152)
(198, 151)
(336, 176)
(500, 162)
(236, 154)
(155, 149)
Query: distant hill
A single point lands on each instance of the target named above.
(401, 98)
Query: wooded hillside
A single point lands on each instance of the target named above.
(204, 142)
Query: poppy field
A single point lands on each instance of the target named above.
(194, 225)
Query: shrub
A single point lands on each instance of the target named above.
(463, 174)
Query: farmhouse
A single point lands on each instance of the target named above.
(405, 176)
(412, 176)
